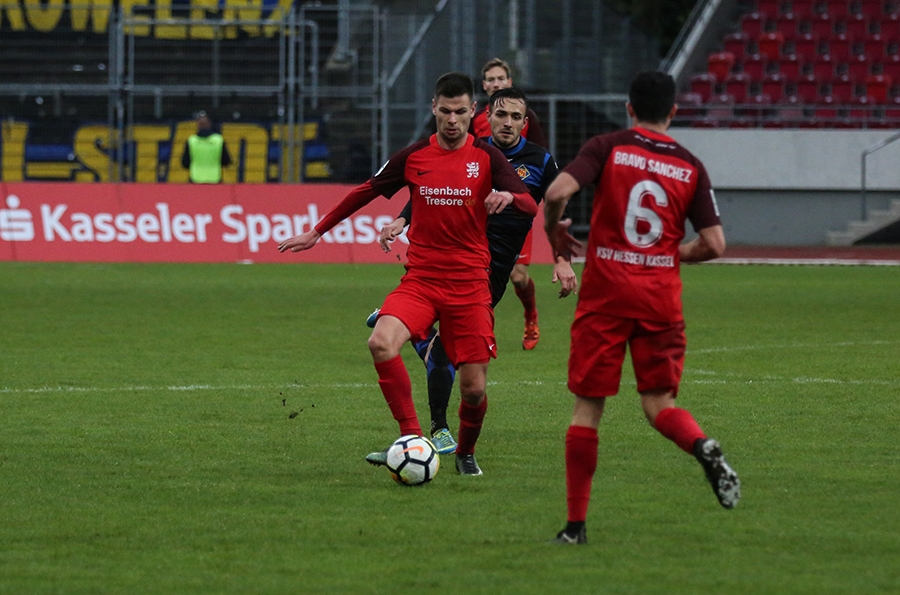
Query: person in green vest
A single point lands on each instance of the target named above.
(205, 153)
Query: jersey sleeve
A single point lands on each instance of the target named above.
(703, 211)
(589, 163)
(386, 182)
(551, 170)
(505, 179)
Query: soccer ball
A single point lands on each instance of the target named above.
(412, 460)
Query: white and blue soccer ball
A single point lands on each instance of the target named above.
(413, 460)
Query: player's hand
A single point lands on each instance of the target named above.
(497, 201)
(568, 280)
(304, 241)
(564, 243)
(390, 232)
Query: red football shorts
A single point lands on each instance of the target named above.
(597, 353)
(525, 251)
(463, 309)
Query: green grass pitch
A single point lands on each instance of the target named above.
(182, 429)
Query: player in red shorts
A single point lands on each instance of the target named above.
(455, 181)
(647, 187)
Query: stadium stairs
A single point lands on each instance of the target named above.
(880, 227)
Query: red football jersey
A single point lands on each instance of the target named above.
(447, 189)
(647, 186)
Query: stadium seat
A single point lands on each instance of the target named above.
(855, 27)
(720, 64)
(736, 44)
(841, 88)
(823, 67)
(870, 9)
(803, 9)
(806, 47)
(892, 111)
(878, 87)
(755, 67)
(690, 105)
(840, 48)
(807, 89)
(789, 67)
(769, 45)
(826, 110)
(874, 47)
(786, 24)
(838, 9)
(770, 9)
(889, 27)
(858, 68)
(821, 26)
(773, 86)
(758, 106)
(738, 86)
(703, 84)
(861, 108)
(752, 24)
(891, 68)
(720, 107)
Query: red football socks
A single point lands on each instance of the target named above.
(679, 426)
(581, 463)
(526, 296)
(470, 422)
(394, 382)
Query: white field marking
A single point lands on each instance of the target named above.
(793, 346)
(809, 261)
(187, 388)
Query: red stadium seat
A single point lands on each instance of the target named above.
(878, 87)
(773, 86)
(892, 111)
(738, 86)
(807, 89)
(842, 88)
(803, 9)
(889, 27)
(823, 67)
(752, 24)
(806, 47)
(788, 66)
(758, 106)
(871, 9)
(736, 44)
(861, 108)
(720, 107)
(891, 67)
(822, 26)
(703, 84)
(786, 24)
(874, 47)
(856, 27)
(826, 110)
(690, 105)
(838, 9)
(720, 64)
(769, 8)
(858, 68)
(770, 45)
(755, 67)
(840, 48)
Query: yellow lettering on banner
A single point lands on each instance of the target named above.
(146, 141)
(127, 7)
(90, 142)
(279, 14)
(97, 10)
(291, 144)
(247, 10)
(163, 12)
(253, 140)
(14, 14)
(44, 17)
(203, 9)
(177, 173)
(12, 166)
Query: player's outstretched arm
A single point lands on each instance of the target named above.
(565, 274)
(390, 232)
(304, 241)
(709, 244)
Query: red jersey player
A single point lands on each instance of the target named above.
(455, 181)
(647, 186)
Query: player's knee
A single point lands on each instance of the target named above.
(381, 347)
(471, 391)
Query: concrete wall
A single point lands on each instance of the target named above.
(790, 187)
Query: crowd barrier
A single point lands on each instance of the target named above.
(64, 222)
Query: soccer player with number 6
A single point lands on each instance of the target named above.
(647, 187)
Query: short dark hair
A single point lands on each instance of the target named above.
(508, 93)
(493, 63)
(454, 84)
(652, 96)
